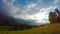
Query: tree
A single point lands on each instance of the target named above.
(52, 17)
(58, 17)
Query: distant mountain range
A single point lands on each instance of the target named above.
(5, 19)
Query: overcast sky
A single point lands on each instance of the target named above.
(37, 10)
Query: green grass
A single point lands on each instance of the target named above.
(48, 29)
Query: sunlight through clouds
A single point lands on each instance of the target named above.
(35, 11)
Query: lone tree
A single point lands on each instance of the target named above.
(54, 17)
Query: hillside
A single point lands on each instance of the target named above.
(48, 29)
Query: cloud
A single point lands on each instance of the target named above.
(12, 10)
(45, 8)
(12, 0)
(56, 1)
(55, 6)
(30, 8)
(31, 11)
(34, 8)
(4, 1)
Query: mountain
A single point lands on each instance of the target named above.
(6, 20)
(4, 17)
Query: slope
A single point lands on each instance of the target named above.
(49, 29)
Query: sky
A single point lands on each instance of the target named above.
(37, 10)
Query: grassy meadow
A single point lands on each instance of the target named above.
(48, 29)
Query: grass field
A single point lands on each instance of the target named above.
(48, 29)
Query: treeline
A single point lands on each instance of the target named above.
(16, 27)
(22, 27)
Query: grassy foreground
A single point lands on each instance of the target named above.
(49, 29)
